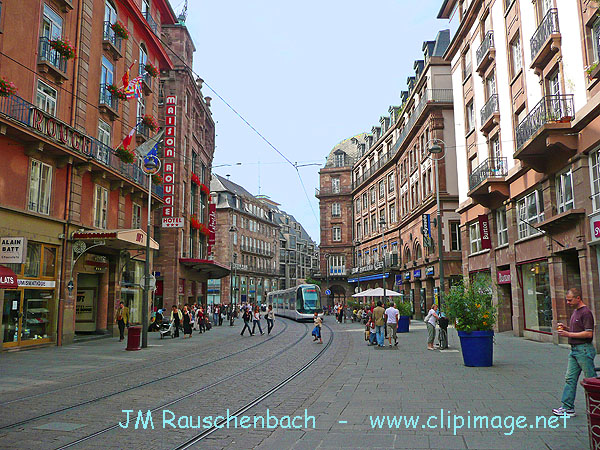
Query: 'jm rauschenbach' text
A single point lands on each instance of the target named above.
(168, 419)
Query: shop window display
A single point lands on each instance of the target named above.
(536, 296)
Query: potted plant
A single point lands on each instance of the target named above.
(470, 307)
(120, 30)
(150, 122)
(125, 155)
(63, 47)
(204, 189)
(151, 70)
(405, 309)
(7, 88)
(157, 178)
(116, 92)
(195, 179)
(195, 224)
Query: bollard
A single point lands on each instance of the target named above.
(592, 401)
(133, 338)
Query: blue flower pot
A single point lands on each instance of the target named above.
(403, 324)
(477, 348)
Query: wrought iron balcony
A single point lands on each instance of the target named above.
(490, 168)
(111, 41)
(540, 38)
(143, 130)
(51, 58)
(487, 112)
(551, 108)
(485, 53)
(151, 22)
(108, 101)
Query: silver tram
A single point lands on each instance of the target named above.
(298, 303)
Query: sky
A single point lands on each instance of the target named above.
(306, 75)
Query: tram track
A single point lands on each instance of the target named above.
(217, 426)
(137, 369)
(211, 385)
(140, 385)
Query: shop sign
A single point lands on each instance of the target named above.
(212, 223)
(429, 271)
(36, 283)
(484, 231)
(59, 132)
(169, 156)
(417, 273)
(398, 280)
(181, 287)
(172, 222)
(378, 265)
(503, 276)
(98, 263)
(407, 276)
(8, 279)
(13, 250)
(595, 226)
(426, 221)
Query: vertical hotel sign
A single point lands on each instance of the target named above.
(169, 158)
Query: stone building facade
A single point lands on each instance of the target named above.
(526, 80)
(248, 244)
(63, 187)
(184, 264)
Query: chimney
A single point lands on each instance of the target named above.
(207, 100)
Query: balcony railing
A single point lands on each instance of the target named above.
(490, 107)
(490, 168)
(49, 55)
(108, 99)
(430, 96)
(143, 129)
(486, 44)
(20, 110)
(548, 27)
(151, 22)
(111, 36)
(551, 108)
(333, 191)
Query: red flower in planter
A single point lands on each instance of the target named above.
(205, 189)
(120, 30)
(126, 156)
(150, 122)
(116, 92)
(195, 179)
(7, 88)
(151, 69)
(157, 178)
(63, 47)
(195, 224)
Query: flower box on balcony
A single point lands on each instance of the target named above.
(127, 156)
(150, 122)
(120, 30)
(151, 70)
(157, 178)
(7, 88)
(116, 92)
(63, 47)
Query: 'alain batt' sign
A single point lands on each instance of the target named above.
(13, 250)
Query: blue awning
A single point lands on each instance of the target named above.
(369, 278)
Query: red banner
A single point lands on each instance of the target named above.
(484, 231)
(212, 223)
(168, 160)
(504, 276)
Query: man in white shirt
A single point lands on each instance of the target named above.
(392, 315)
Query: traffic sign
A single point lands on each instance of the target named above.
(70, 286)
(328, 292)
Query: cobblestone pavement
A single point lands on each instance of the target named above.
(351, 383)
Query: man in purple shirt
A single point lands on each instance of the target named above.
(580, 333)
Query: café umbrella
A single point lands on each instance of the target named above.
(377, 292)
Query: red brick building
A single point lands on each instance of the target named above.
(62, 186)
(183, 261)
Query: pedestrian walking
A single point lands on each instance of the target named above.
(176, 320)
(216, 315)
(187, 322)
(379, 318)
(431, 321)
(372, 330)
(317, 330)
(256, 321)
(246, 317)
(122, 320)
(270, 319)
(581, 358)
(200, 320)
(392, 315)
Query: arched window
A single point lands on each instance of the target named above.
(406, 255)
(418, 252)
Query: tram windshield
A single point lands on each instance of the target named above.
(312, 301)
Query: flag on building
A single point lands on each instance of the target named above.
(134, 87)
(127, 141)
(149, 148)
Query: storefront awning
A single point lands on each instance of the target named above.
(118, 239)
(8, 279)
(213, 269)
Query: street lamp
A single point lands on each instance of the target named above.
(327, 274)
(357, 264)
(233, 229)
(382, 226)
(151, 166)
(437, 150)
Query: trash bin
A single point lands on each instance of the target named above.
(133, 338)
(592, 401)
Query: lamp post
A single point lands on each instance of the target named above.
(327, 274)
(151, 167)
(357, 263)
(382, 226)
(437, 150)
(233, 229)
